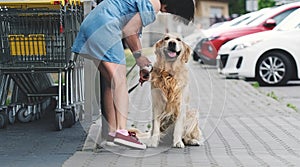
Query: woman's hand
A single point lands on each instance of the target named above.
(145, 68)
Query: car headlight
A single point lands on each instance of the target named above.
(210, 48)
(245, 45)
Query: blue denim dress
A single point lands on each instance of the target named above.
(100, 34)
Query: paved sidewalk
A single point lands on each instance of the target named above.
(241, 127)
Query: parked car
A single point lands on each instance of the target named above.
(271, 57)
(240, 21)
(210, 46)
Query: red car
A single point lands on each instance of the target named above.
(208, 47)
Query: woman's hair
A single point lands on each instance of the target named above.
(183, 8)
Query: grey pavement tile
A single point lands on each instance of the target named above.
(201, 164)
(78, 159)
(223, 160)
(292, 159)
(150, 165)
(240, 125)
(152, 161)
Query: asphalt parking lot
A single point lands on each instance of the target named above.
(38, 144)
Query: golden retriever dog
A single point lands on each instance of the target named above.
(170, 94)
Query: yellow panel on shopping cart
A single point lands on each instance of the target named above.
(31, 45)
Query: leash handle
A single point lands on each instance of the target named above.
(145, 73)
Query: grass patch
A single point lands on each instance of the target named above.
(273, 96)
(130, 61)
(149, 126)
(255, 85)
(289, 105)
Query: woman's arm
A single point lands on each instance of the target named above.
(132, 28)
(131, 35)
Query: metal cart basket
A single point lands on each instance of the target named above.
(35, 46)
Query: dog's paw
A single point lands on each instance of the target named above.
(179, 144)
(152, 142)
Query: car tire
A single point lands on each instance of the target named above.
(274, 68)
(195, 56)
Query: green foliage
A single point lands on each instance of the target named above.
(7, 102)
(237, 7)
(265, 3)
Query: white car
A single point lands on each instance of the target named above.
(271, 57)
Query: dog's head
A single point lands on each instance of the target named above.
(171, 48)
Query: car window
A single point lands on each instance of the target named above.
(238, 22)
(253, 19)
(262, 17)
(283, 15)
(270, 14)
(292, 21)
(255, 16)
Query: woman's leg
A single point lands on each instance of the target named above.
(115, 94)
(116, 103)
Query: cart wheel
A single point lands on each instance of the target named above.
(11, 116)
(23, 115)
(33, 117)
(69, 119)
(58, 122)
(3, 120)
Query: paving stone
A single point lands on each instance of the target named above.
(240, 125)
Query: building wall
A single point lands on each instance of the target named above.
(207, 10)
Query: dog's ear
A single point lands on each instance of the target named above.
(186, 53)
(157, 47)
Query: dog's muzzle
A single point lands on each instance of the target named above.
(171, 52)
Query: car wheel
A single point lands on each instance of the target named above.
(196, 52)
(195, 56)
(274, 68)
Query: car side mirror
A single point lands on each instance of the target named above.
(270, 23)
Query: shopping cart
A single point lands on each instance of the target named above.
(36, 62)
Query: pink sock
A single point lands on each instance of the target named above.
(123, 132)
(112, 134)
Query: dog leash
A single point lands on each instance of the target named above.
(144, 75)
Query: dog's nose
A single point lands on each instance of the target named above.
(172, 45)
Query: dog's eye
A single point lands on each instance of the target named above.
(167, 38)
(178, 39)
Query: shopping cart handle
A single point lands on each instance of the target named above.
(72, 61)
(73, 57)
